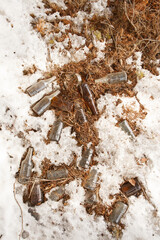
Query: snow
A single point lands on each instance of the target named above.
(21, 46)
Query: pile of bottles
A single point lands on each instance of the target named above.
(34, 194)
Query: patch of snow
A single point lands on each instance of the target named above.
(116, 152)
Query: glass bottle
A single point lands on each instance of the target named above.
(113, 78)
(126, 128)
(128, 189)
(56, 131)
(57, 194)
(91, 180)
(61, 173)
(88, 97)
(80, 114)
(86, 158)
(36, 195)
(26, 167)
(39, 86)
(44, 103)
(118, 211)
(90, 197)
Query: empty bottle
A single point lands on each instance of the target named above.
(91, 180)
(37, 196)
(90, 198)
(26, 167)
(57, 174)
(80, 114)
(44, 103)
(56, 195)
(88, 97)
(112, 78)
(126, 128)
(128, 189)
(86, 158)
(119, 210)
(56, 131)
(39, 86)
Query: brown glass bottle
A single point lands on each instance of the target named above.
(88, 97)
(80, 114)
(128, 189)
(37, 196)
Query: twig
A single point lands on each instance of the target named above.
(14, 193)
(131, 22)
(32, 189)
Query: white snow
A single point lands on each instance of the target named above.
(21, 46)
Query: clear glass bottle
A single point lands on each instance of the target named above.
(86, 158)
(118, 211)
(56, 131)
(91, 180)
(57, 194)
(26, 167)
(44, 103)
(112, 78)
(39, 86)
(90, 197)
(126, 128)
(61, 173)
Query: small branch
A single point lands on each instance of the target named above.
(131, 22)
(14, 193)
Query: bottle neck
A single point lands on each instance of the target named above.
(53, 94)
(49, 80)
(29, 154)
